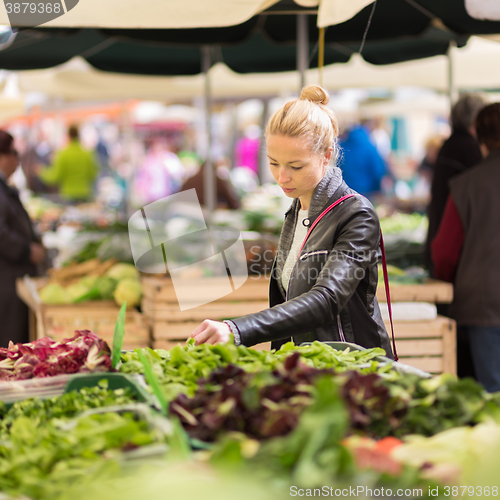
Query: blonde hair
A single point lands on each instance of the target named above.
(310, 118)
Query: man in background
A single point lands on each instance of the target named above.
(458, 153)
(74, 170)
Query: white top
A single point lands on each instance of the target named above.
(298, 239)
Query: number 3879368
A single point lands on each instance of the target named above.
(34, 8)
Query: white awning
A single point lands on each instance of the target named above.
(186, 13)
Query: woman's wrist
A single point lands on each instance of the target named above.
(234, 331)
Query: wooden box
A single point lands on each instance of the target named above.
(428, 345)
(171, 326)
(434, 291)
(61, 321)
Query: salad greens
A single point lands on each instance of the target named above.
(65, 406)
(180, 369)
(41, 461)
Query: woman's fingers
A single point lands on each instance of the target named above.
(211, 332)
(200, 328)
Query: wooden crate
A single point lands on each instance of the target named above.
(434, 291)
(171, 326)
(162, 289)
(428, 345)
(61, 321)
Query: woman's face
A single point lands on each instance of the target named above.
(296, 169)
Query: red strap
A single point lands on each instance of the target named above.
(387, 294)
(321, 215)
(384, 262)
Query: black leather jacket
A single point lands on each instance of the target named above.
(333, 284)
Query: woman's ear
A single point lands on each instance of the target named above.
(328, 156)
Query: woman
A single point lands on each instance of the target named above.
(325, 290)
(465, 250)
(20, 253)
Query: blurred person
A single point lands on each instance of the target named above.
(102, 154)
(34, 154)
(362, 166)
(227, 196)
(74, 170)
(160, 174)
(247, 149)
(322, 287)
(379, 136)
(432, 147)
(20, 251)
(458, 153)
(465, 250)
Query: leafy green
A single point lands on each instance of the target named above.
(42, 461)
(65, 406)
(180, 368)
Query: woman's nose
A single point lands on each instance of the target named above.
(283, 176)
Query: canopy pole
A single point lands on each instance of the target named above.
(264, 172)
(209, 183)
(452, 89)
(302, 48)
(321, 54)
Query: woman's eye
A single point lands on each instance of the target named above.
(297, 168)
(273, 164)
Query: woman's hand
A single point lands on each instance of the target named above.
(211, 332)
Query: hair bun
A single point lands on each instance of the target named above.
(314, 93)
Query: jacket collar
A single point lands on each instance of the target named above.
(323, 193)
(329, 189)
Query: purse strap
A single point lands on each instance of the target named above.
(384, 262)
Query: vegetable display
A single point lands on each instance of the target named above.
(85, 352)
(93, 280)
(42, 461)
(65, 406)
(269, 402)
(180, 368)
(303, 417)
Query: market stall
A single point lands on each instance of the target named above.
(81, 419)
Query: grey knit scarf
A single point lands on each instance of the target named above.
(326, 188)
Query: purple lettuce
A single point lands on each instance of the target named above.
(84, 352)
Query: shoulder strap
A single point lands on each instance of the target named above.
(384, 262)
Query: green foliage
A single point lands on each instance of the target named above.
(180, 368)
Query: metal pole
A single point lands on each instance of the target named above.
(264, 173)
(209, 182)
(302, 48)
(452, 90)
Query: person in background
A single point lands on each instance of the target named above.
(247, 149)
(74, 170)
(160, 174)
(20, 250)
(458, 153)
(362, 166)
(465, 250)
(379, 136)
(227, 196)
(432, 147)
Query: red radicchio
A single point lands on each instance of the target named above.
(84, 352)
